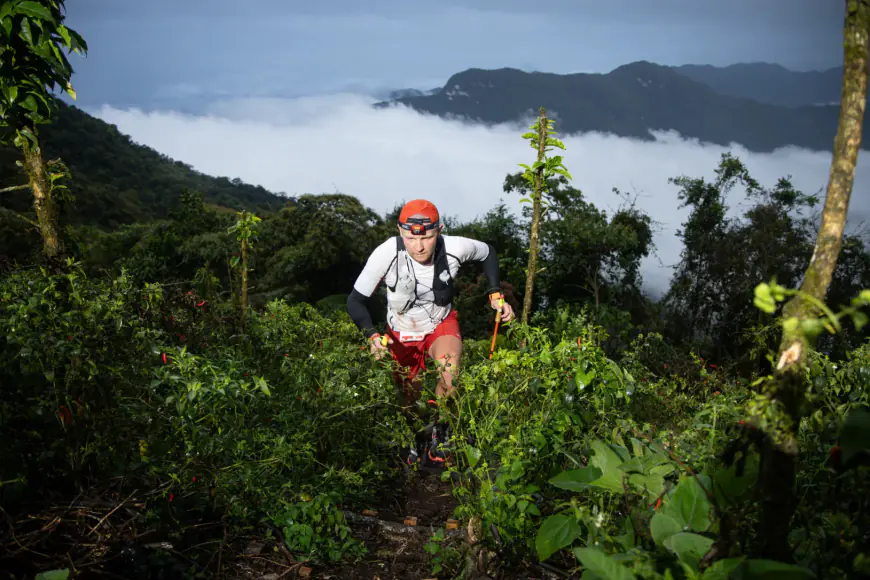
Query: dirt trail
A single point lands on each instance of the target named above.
(396, 549)
(107, 537)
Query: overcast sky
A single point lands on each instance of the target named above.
(171, 53)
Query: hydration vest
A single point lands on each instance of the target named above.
(442, 281)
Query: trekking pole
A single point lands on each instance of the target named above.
(497, 320)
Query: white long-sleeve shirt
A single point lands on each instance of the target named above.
(405, 274)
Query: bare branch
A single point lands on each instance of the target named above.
(19, 216)
(15, 188)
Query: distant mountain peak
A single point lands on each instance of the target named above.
(643, 66)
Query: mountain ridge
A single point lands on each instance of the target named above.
(631, 100)
(770, 83)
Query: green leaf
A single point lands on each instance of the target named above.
(30, 103)
(662, 526)
(608, 461)
(722, 569)
(773, 570)
(689, 505)
(26, 33)
(11, 93)
(78, 43)
(64, 34)
(778, 291)
(653, 484)
(576, 479)
(763, 299)
(603, 566)
(34, 10)
(689, 547)
(584, 379)
(859, 319)
(557, 532)
(53, 575)
(473, 454)
(812, 327)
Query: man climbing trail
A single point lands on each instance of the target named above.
(418, 267)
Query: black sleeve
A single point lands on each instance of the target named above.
(490, 268)
(359, 313)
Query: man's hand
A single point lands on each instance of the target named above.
(378, 344)
(507, 313)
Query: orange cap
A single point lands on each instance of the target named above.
(419, 207)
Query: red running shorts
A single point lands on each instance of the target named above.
(412, 354)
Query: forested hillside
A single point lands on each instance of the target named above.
(118, 181)
(185, 396)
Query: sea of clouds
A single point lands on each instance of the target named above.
(340, 143)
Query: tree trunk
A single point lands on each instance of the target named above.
(780, 450)
(244, 298)
(596, 289)
(46, 214)
(536, 219)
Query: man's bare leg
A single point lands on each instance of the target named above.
(446, 351)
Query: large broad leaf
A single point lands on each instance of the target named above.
(633, 465)
(473, 454)
(653, 484)
(689, 504)
(34, 10)
(601, 565)
(689, 547)
(607, 458)
(555, 533)
(29, 103)
(647, 470)
(722, 569)
(576, 479)
(662, 527)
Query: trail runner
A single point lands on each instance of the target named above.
(418, 267)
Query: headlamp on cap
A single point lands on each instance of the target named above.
(418, 226)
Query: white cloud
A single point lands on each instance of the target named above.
(323, 144)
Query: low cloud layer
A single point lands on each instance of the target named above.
(339, 143)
